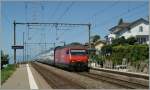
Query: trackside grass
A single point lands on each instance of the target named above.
(7, 72)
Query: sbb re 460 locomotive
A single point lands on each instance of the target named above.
(71, 57)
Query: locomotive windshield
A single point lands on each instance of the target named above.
(78, 52)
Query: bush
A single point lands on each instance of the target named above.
(133, 53)
(106, 50)
(131, 40)
(119, 41)
(123, 41)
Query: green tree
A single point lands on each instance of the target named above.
(4, 58)
(131, 40)
(95, 38)
(119, 41)
(106, 50)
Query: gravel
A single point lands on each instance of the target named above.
(86, 82)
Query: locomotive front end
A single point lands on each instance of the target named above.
(79, 59)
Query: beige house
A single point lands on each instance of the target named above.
(98, 45)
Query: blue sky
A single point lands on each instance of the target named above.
(101, 14)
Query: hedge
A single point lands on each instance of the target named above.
(133, 53)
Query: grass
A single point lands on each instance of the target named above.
(7, 72)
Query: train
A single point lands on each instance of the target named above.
(70, 57)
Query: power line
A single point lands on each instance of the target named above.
(124, 13)
(63, 14)
(56, 9)
(66, 10)
(42, 9)
(26, 6)
(125, 16)
(136, 13)
(106, 25)
(103, 10)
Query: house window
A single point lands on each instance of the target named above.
(144, 40)
(140, 29)
(141, 40)
(147, 38)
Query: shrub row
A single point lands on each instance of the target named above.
(133, 53)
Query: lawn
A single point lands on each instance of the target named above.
(7, 72)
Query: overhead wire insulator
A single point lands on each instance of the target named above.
(29, 38)
(56, 27)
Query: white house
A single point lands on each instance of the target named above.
(138, 29)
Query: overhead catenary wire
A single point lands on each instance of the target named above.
(131, 16)
(137, 13)
(42, 12)
(37, 15)
(56, 9)
(43, 27)
(28, 29)
(26, 16)
(101, 11)
(26, 10)
(93, 16)
(114, 17)
(112, 5)
(66, 10)
(61, 16)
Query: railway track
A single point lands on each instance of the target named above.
(56, 81)
(59, 79)
(111, 79)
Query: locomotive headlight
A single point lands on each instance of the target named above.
(72, 61)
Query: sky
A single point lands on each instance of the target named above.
(102, 15)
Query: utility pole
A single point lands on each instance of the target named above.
(54, 45)
(25, 55)
(14, 42)
(23, 49)
(89, 29)
(45, 46)
(64, 43)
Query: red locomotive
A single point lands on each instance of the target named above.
(72, 57)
